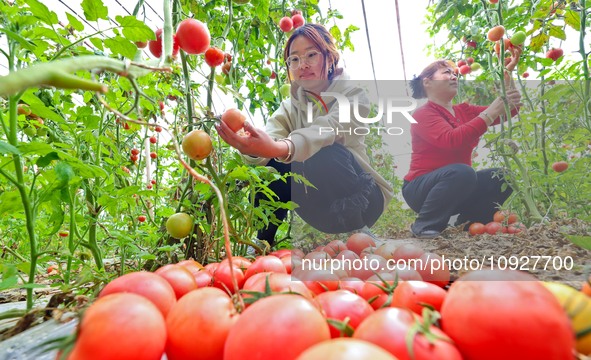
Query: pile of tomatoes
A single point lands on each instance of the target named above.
(273, 307)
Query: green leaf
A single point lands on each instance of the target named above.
(44, 161)
(135, 30)
(557, 32)
(262, 9)
(121, 46)
(74, 23)
(573, 19)
(21, 40)
(538, 41)
(582, 241)
(94, 10)
(42, 12)
(6, 148)
(10, 202)
(98, 43)
(64, 172)
(9, 277)
(39, 108)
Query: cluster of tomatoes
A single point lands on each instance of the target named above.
(503, 222)
(287, 24)
(275, 308)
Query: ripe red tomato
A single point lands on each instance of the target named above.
(494, 1)
(286, 24)
(222, 278)
(198, 325)
(158, 129)
(519, 312)
(64, 233)
(141, 44)
(460, 63)
(499, 216)
(554, 54)
(471, 44)
(388, 328)
(346, 348)
(493, 227)
(359, 241)
(407, 252)
(155, 46)
(234, 119)
(120, 326)
(149, 186)
(276, 327)
(227, 57)
(434, 270)
(135, 152)
(496, 33)
(153, 182)
(512, 218)
(586, 289)
(146, 284)
(347, 308)
(153, 139)
(412, 294)
(465, 69)
(278, 283)
(476, 229)
(133, 158)
(141, 218)
(181, 279)
(203, 279)
(53, 269)
(376, 292)
(193, 36)
(197, 145)
(265, 263)
(153, 155)
(126, 126)
(560, 166)
(525, 75)
(214, 57)
(470, 60)
(297, 21)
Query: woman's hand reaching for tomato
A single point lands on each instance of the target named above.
(515, 54)
(256, 142)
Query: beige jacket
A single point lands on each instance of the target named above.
(290, 121)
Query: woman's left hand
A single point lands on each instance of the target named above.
(255, 142)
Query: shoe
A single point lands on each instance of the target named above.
(425, 234)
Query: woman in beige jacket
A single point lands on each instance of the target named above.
(305, 136)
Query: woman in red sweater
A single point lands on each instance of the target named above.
(441, 181)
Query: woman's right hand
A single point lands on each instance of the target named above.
(255, 142)
(497, 108)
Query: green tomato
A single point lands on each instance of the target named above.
(30, 131)
(179, 225)
(219, 78)
(475, 66)
(518, 38)
(42, 132)
(266, 72)
(284, 90)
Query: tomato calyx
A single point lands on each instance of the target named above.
(343, 327)
(387, 288)
(423, 327)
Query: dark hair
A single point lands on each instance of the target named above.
(416, 84)
(323, 40)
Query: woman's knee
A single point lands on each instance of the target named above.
(462, 175)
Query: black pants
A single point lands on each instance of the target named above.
(454, 189)
(345, 199)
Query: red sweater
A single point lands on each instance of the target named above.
(440, 139)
